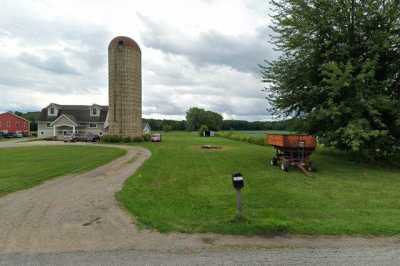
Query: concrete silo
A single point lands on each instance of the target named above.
(125, 88)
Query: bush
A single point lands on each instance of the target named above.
(111, 139)
(138, 139)
(119, 139)
(147, 137)
(126, 139)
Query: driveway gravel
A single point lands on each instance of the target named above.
(342, 257)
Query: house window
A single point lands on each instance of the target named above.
(92, 125)
(94, 111)
(52, 110)
(48, 124)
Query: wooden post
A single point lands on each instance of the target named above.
(238, 203)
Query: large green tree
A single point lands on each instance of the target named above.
(339, 71)
(197, 117)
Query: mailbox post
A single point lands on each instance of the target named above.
(238, 184)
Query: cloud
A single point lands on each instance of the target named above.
(46, 59)
(242, 52)
(54, 52)
(54, 63)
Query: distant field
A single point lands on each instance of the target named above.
(187, 189)
(260, 133)
(22, 168)
(252, 137)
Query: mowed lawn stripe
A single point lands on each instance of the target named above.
(22, 168)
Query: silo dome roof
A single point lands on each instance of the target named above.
(122, 40)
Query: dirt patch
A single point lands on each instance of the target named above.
(208, 240)
(211, 147)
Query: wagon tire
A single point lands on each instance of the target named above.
(274, 162)
(311, 168)
(284, 166)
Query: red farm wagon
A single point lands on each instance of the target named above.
(292, 150)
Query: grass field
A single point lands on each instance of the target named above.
(184, 188)
(261, 133)
(22, 168)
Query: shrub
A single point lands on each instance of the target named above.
(138, 139)
(111, 139)
(147, 137)
(119, 139)
(126, 139)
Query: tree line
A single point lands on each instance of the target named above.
(195, 118)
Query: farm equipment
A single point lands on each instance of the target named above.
(292, 150)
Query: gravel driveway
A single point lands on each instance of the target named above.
(79, 214)
(342, 257)
(72, 212)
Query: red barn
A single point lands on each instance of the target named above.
(11, 123)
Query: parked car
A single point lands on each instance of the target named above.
(10, 135)
(156, 137)
(70, 138)
(90, 137)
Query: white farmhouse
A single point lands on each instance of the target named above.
(59, 120)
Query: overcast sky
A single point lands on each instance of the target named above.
(200, 53)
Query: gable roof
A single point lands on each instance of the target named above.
(69, 117)
(17, 116)
(146, 125)
(78, 113)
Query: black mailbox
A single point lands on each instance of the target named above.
(237, 181)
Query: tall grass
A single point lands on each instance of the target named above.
(234, 135)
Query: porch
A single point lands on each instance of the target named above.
(64, 125)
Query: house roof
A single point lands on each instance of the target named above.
(17, 116)
(146, 125)
(69, 117)
(77, 113)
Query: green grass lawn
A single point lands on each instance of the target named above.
(22, 168)
(187, 189)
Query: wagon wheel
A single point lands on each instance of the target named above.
(284, 165)
(274, 161)
(310, 167)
